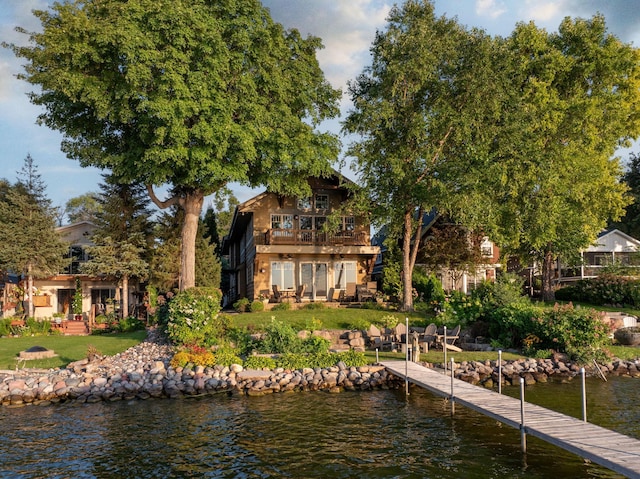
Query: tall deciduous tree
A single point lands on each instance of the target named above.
(425, 109)
(82, 208)
(189, 93)
(575, 99)
(31, 246)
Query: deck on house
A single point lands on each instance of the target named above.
(612, 450)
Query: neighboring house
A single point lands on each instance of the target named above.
(461, 279)
(278, 243)
(55, 294)
(613, 247)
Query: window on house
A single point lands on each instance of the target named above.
(322, 202)
(77, 255)
(282, 222)
(306, 222)
(486, 247)
(282, 274)
(348, 223)
(305, 203)
(344, 272)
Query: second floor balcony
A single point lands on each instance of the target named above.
(310, 238)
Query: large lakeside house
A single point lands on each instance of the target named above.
(278, 247)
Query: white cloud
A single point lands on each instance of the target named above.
(543, 11)
(490, 8)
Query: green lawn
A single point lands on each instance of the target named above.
(68, 348)
(325, 318)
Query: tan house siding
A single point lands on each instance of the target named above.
(280, 240)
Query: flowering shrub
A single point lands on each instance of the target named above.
(193, 354)
(605, 289)
(578, 332)
(194, 317)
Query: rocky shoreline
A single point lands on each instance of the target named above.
(143, 372)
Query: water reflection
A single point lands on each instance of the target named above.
(307, 435)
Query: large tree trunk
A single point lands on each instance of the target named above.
(125, 296)
(192, 205)
(548, 294)
(409, 255)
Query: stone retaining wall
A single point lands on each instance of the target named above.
(143, 372)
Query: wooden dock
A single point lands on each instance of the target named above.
(610, 449)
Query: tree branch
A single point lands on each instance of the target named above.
(161, 204)
(437, 153)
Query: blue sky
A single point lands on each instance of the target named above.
(347, 28)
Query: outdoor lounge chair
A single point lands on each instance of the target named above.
(379, 339)
(428, 338)
(350, 292)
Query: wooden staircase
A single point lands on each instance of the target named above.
(75, 328)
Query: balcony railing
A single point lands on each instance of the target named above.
(310, 238)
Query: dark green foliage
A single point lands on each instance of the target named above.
(313, 306)
(280, 337)
(284, 306)
(256, 306)
(428, 287)
(242, 305)
(605, 289)
(243, 341)
(129, 324)
(226, 356)
(259, 362)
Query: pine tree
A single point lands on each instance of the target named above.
(122, 236)
(31, 246)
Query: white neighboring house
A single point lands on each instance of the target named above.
(55, 294)
(611, 247)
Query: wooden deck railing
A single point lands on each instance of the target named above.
(311, 238)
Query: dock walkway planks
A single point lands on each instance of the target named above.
(610, 449)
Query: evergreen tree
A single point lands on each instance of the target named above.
(122, 236)
(32, 182)
(31, 246)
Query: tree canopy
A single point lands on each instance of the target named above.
(574, 100)
(426, 112)
(192, 94)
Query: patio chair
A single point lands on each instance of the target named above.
(428, 337)
(378, 339)
(300, 293)
(350, 292)
(453, 335)
(277, 295)
(400, 333)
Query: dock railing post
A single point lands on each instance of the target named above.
(584, 395)
(406, 359)
(499, 371)
(444, 348)
(453, 402)
(523, 436)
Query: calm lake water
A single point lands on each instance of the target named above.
(379, 434)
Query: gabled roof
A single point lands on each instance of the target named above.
(614, 240)
(244, 211)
